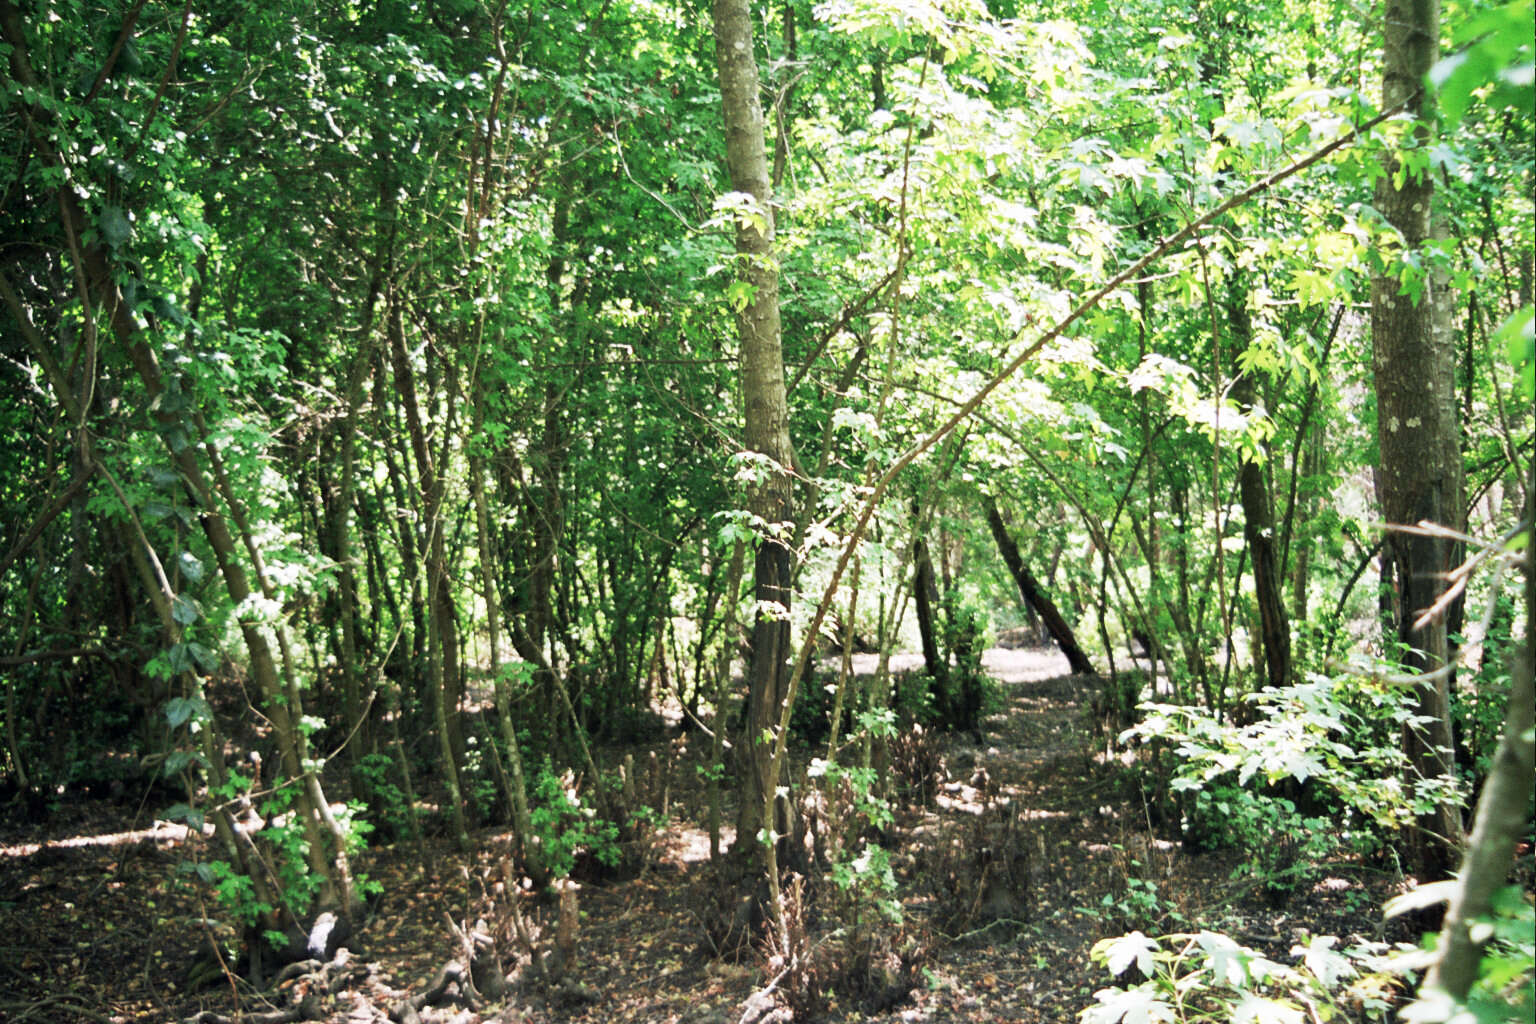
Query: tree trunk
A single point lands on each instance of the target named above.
(766, 409)
(516, 785)
(443, 655)
(1421, 475)
(356, 710)
(925, 595)
(1258, 510)
(1501, 812)
(1034, 595)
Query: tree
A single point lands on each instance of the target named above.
(1034, 594)
(1502, 808)
(765, 406)
(1420, 479)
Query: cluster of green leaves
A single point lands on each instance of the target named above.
(566, 826)
(859, 867)
(1505, 989)
(1136, 905)
(1184, 978)
(1332, 741)
(373, 775)
(1209, 978)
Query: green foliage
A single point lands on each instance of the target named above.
(1494, 64)
(526, 207)
(566, 828)
(859, 791)
(1503, 991)
(1207, 977)
(1328, 743)
(295, 883)
(1286, 850)
(1136, 906)
(867, 879)
(1518, 334)
(859, 868)
(284, 859)
(913, 698)
(963, 631)
(372, 774)
(477, 776)
(235, 893)
(1477, 708)
(810, 720)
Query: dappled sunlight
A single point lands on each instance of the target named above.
(686, 846)
(160, 832)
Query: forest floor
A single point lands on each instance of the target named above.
(98, 922)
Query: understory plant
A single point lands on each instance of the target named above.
(1206, 976)
(1275, 780)
(1505, 988)
(567, 827)
(1209, 978)
(289, 885)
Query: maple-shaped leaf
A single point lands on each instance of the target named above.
(1138, 1005)
(1119, 953)
(1252, 1009)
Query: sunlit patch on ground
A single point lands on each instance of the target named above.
(684, 845)
(160, 831)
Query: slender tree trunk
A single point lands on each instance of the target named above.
(765, 404)
(1501, 811)
(1034, 595)
(1258, 511)
(517, 788)
(1421, 475)
(1301, 564)
(443, 653)
(925, 596)
(723, 662)
(346, 498)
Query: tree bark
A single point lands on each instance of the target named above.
(1258, 510)
(1501, 812)
(1421, 475)
(443, 657)
(765, 404)
(925, 595)
(1034, 595)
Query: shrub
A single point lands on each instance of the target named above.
(1209, 978)
(1274, 788)
(567, 828)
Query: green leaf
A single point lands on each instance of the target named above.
(1252, 1009)
(1499, 55)
(191, 815)
(180, 710)
(1229, 961)
(184, 610)
(115, 227)
(190, 566)
(1119, 953)
(1139, 1005)
(1518, 334)
(738, 294)
(205, 658)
